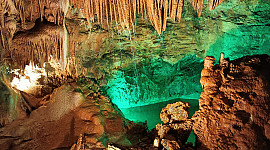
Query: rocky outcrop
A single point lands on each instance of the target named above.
(233, 108)
(12, 104)
(155, 80)
(174, 133)
(234, 104)
(174, 112)
(71, 113)
(37, 46)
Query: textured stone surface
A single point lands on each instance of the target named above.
(10, 104)
(153, 81)
(71, 113)
(143, 68)
(174, 112)
(170, 145)
(176, 128)
(234, 110)
(234, 107)
(121, 56)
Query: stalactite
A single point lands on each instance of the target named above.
(87, 12)
(165, 9)
(7, 24)
(215, 3)
(123, 12)
(173, 11)
(106, 12)
(37, 48)
(111, 10)
(179, 10)
(198, 5)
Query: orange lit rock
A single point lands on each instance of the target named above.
(174, 112)
(234, 106)
(170, 145)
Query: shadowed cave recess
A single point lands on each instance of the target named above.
(134, 74)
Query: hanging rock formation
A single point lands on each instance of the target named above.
(37, 46)
(20, 15)
(124, 12)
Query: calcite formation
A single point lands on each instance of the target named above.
(234, 104)
(234, 107)
(174, 133)
(37, 47)
(124, 12)
(174, 112)
(237, 110)
(21, 15)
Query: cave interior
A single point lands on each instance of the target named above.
(134, 74)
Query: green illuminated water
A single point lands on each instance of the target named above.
(150, 113)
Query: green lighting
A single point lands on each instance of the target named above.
(154, 81)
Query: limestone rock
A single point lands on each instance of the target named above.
(177, 127)
(174, 112)
(170, 145)
(234, 110)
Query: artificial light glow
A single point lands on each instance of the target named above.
(29, 77)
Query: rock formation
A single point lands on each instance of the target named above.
(175, 132)
(81, 38)
(234, 107)
(124, 12)
(71, 113)
(21, 15)
(12, 105)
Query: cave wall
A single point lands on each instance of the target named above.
(154, 81)
(236, 28)
(119, 56)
